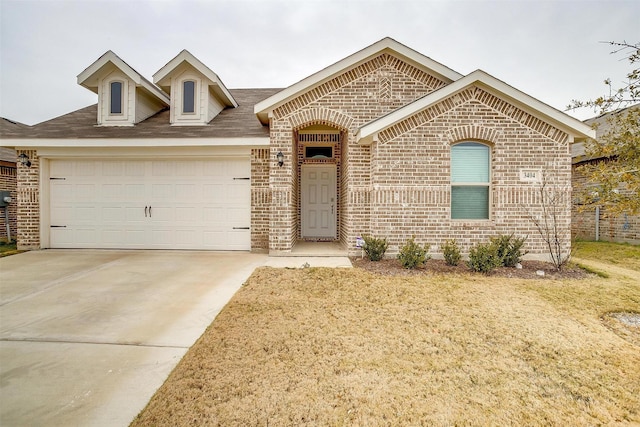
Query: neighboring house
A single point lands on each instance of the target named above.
(8, 178)
(595, 223)
(385, 142)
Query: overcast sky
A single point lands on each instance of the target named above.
(548, 49)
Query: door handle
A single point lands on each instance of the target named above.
(331, 209)
(149, 211)
(145, 211)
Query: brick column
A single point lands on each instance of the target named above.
(28, 210)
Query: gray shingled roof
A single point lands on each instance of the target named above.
(240, 122)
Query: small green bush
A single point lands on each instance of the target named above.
(412, 254)
(484, 257)
(374, 247)
(451, 252)
(509, 249)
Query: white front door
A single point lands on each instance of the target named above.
(319, 207)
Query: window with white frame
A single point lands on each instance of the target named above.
(116, 96)
(470, 180)
(188, 96)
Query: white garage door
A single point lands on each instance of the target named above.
(151, 204)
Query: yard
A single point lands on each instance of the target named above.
(349, 347)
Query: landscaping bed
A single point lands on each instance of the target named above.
(529, 270)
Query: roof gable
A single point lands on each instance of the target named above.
(386, 45)
(368, 133)
(90, 77)
(163, 76)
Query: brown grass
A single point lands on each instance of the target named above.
(348, 347)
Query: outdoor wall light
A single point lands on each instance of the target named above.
(24, 160)
(280, 158)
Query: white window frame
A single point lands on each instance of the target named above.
(195, 96)
(487, 184)
(122, 98)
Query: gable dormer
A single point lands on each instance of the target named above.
(124, 96)
(197, 93)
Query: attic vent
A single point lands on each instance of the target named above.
(319, 137)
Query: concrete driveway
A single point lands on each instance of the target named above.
(87, 337)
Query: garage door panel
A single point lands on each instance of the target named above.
(134, 193)
(112, 192)
(113, 168)
(85, 192)
(133, 168)
(188, 214)
(113, 214)
(162, 191)
(86, 214)
(85, 169)
(86, 235)
(190, 204)
(61, 192)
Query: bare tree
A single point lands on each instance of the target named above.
(549, 221)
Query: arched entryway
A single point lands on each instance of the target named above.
(318, 150)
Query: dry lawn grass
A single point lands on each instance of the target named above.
(348, 347)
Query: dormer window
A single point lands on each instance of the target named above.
(188, 96)
(116, 98)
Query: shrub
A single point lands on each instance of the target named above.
(451, 252)
(374, 247)
(509, 249)
(412, 254)
(484, 257)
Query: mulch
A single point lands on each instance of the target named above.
(392, 267)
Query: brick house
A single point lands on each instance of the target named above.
(385, 142)
(592, 223)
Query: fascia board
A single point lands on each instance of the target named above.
(161, 76)
(143, 142)
(189, 152)
(109, 56)
(136, 77)
(263, 108)
(366, 133)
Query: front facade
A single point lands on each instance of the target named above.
(386, 142)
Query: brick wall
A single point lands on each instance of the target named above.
(620, 228)
(260, 199)
(400, 186)
(8, 183)
(28, 195)
(411, 186)
(352, 99)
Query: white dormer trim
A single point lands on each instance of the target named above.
(140, 98)
(105, 116)
(574, 127)
(89, 77)
(386, 45)
(163, 77)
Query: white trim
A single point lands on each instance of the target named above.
(148, 142)
(219, 88)
(138, 79)
(264, 108)
(575, 127)
(142, 152)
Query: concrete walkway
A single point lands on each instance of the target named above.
(87, 337)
